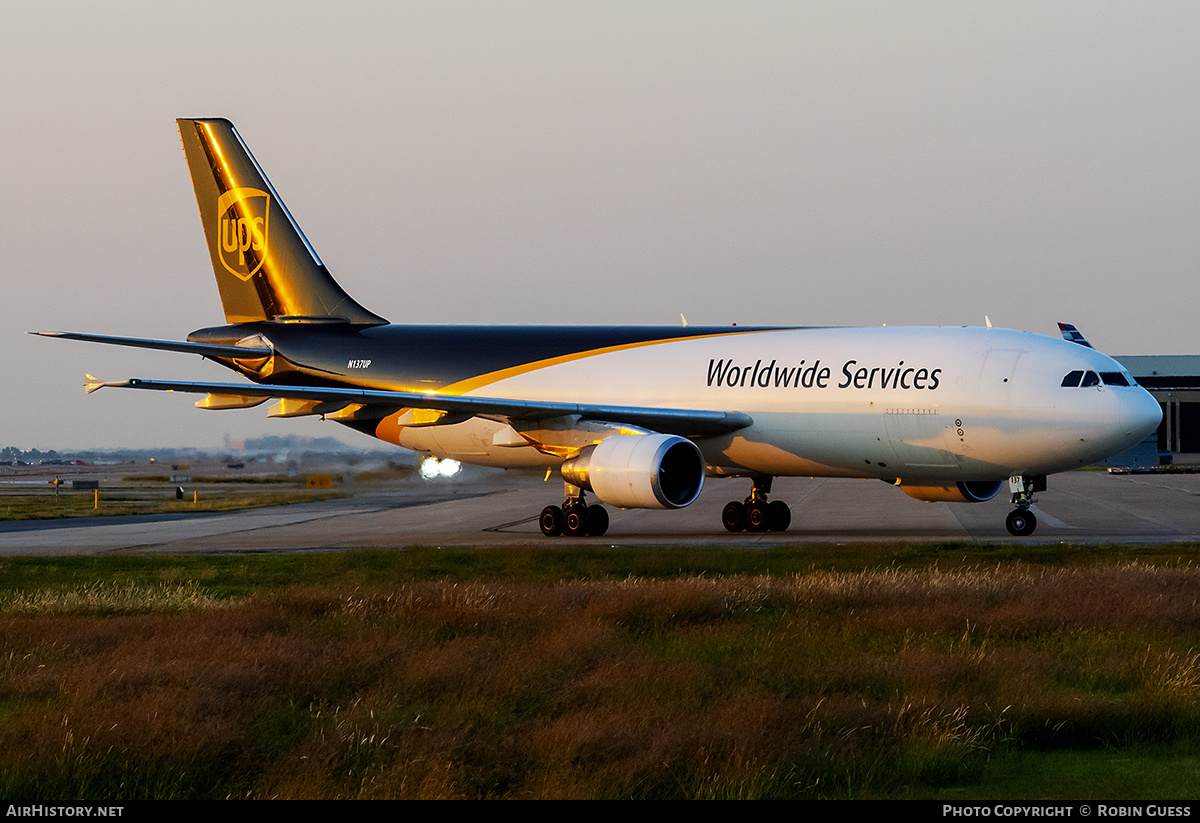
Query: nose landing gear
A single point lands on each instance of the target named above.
(756, 514)
(1020, 521)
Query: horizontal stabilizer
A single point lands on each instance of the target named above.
(204, 349)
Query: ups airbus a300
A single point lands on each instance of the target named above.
(640, 416)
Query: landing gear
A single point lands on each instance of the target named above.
(575, 518)
(733, 517)
(551, 521)
(575, 521)
(597, 520)
(779, 516)
(1020, 521)
(756, 514)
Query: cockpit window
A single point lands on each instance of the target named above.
(1082, 379)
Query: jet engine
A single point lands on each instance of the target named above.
(639, 471)
(964, 491)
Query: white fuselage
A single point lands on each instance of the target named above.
(910, 404)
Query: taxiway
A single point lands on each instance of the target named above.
(1080, 507)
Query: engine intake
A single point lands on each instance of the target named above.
(964, 491)
(639, 471)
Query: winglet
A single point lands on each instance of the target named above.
(1073, 334)
(95, 384)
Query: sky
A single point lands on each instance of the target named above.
(790, 163)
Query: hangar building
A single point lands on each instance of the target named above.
(1174, 381)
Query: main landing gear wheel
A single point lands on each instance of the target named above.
(734, 516)
(1020, 523)
(756, 514)
(756, 517)
(574, 520)
(779, 516)
(551, 521)
(597, 520)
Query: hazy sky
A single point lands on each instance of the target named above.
(907, 163)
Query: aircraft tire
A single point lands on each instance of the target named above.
(575, 521)
(733, 517)
(779, 516)
(1020, 523)
(596, 520)
(756, 517)
(551, 521)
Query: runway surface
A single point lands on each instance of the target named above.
(501, 510)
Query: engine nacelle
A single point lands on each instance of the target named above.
(964, 491)
(639, 471)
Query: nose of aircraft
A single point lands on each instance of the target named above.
(1140, 413)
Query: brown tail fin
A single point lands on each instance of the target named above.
(266, 269)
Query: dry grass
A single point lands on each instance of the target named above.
(818, 685)
(106, 598)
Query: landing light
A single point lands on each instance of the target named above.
(432, 467)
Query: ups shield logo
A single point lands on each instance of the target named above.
(242, 222)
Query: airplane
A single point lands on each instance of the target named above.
(640, 417)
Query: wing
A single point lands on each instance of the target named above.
(683, 422)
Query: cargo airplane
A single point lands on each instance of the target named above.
(641, 416)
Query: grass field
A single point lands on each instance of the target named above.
(108, 502)
(924, 671)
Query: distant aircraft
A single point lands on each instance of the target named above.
(640, 416)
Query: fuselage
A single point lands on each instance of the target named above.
(898, 403)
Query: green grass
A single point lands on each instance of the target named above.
(1133, 773)
(126, 501)
(947, 672)
(543, 563)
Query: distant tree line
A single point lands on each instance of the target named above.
(11, 454)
